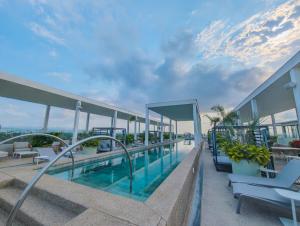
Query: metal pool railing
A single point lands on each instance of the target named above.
(38, 176)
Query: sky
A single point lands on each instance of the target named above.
(129, 53)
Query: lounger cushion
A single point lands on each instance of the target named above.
(3, 154)
(257, 192)
(223, 159)
(22, 150)
(285, 178)
(236, 178)
(21, 145)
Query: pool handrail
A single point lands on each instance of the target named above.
(37, 177)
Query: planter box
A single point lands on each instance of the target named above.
(245, 167)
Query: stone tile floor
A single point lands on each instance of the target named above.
(219, 205)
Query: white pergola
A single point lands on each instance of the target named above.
(184, 110)
(21, 89)
(280, 92)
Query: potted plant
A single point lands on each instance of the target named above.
(295, 143)
(246, 158)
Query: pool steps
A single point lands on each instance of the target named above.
(40, 207)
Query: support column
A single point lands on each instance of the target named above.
(196, 129)
(176, 135)
(161, 128)
(239, 122)
(199, 128)
(295, 78)
(147, 126)
(135, 125)
(114, 126)
(284, 132)
(46, 119)
(139, 127)
(76, 122)
(170, 130)
(254, 110)
(87, 124)
(274, 125)
(128, 126)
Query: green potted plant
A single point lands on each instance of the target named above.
(246, 158)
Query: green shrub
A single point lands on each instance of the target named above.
(237, 152)
(166, 136)
(129, 138)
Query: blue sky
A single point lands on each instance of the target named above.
(129, 53)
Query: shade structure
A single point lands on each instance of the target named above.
(21, 89)
(280, 92)
(175, 110)
(182, 110)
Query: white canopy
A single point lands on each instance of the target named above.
(25, 90)
(276, 94)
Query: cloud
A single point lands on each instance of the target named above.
(53, 53)
(265, 37)
(63, 76)
(221, 63)
(45, 33)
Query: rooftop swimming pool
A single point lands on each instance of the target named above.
(150, 168)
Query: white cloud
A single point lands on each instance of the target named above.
(63, 76)
(45, 33)
(264, 38)
(53, 53)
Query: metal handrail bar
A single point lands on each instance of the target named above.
(44, 135)
(37, 177)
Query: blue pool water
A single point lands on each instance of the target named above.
(150, 169)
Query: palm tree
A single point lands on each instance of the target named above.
(225, 118)
(213, 120)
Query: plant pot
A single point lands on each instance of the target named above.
(245, 167)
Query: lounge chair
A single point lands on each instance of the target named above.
(3, 154)
(284, 179)
(44, 154)
(56, 146)
(104, 146)
(23, 149)
(280, 197)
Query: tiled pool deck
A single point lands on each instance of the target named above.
(219, 206)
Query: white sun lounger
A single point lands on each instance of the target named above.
(284, 179)
(3, 154)
(44, 154)
(280, 197)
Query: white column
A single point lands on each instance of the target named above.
(274, 125)
(128, 126)
(239, 122)
(295, 78)
(114, 125)
(87, 124)
(176, 136)
(254, 110)
(46, 119)
(196, 130)
(135, 125)
(76, 122)
(139, 127)
(284, 132)
(170, 130)
(161, 128)
(147, 126)
(199, 128)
